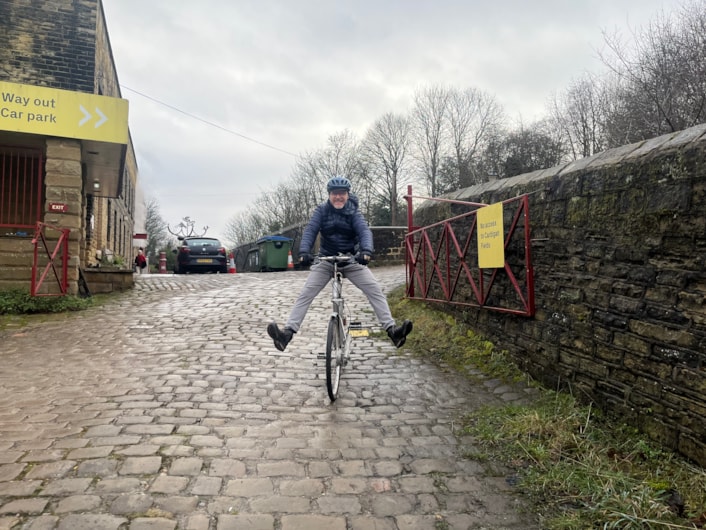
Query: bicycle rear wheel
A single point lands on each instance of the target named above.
(334, 357)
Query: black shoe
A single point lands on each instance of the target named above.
(281, 337)
(398, 334)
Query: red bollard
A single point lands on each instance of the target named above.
(163, 263)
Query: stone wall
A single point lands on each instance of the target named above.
(49, 42)
(16, 255)
(109, 280)
(619, 253)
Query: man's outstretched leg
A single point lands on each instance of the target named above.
(363, 279)
(319, 276)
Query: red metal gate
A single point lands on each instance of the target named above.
(442, 260)
(48, 260)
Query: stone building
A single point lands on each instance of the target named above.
(66, 158)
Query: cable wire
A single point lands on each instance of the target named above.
(208, 122)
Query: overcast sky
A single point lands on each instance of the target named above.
(274, 79)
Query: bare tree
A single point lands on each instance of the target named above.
(310, 179)
(157, 235)
(385, 147)
(524, 150)
(288, 204)
(340, 157)
(428, 118)
(579, 114)
(662, 78)
(292, 201)
(474, 118)
(244, 227)
(270, 209)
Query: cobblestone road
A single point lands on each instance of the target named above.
(168, 408)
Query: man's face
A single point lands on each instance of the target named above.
(338, 198)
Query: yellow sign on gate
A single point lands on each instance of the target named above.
(491, 239)
(63, 113)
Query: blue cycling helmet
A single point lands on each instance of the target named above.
(338, 183)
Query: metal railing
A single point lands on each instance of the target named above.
(442, 260)
(59, 254)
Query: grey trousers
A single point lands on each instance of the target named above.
(359, 275)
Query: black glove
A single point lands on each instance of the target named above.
(363, 258)
(305, 259)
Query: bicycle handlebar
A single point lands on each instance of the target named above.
(341, 258)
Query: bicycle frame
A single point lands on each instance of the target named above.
(337, 301)
(337, 293)
(339, 312)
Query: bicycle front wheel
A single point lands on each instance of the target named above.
(334, 357)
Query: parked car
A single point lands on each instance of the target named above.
(200, 254)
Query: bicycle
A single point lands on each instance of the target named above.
(338, 338)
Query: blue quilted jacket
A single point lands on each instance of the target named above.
(344, 230)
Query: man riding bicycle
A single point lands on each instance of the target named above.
(342, 228)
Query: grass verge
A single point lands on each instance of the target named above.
(20, 302)
(579, 469)
(18, 308)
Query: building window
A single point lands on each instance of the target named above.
(21, 188)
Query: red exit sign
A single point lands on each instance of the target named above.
(58, 207)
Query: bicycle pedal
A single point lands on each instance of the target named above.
(320, 355)
(356, 325)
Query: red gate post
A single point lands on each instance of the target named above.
(163, 263)
(409, 243)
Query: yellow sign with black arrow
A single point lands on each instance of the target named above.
(63, 113)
